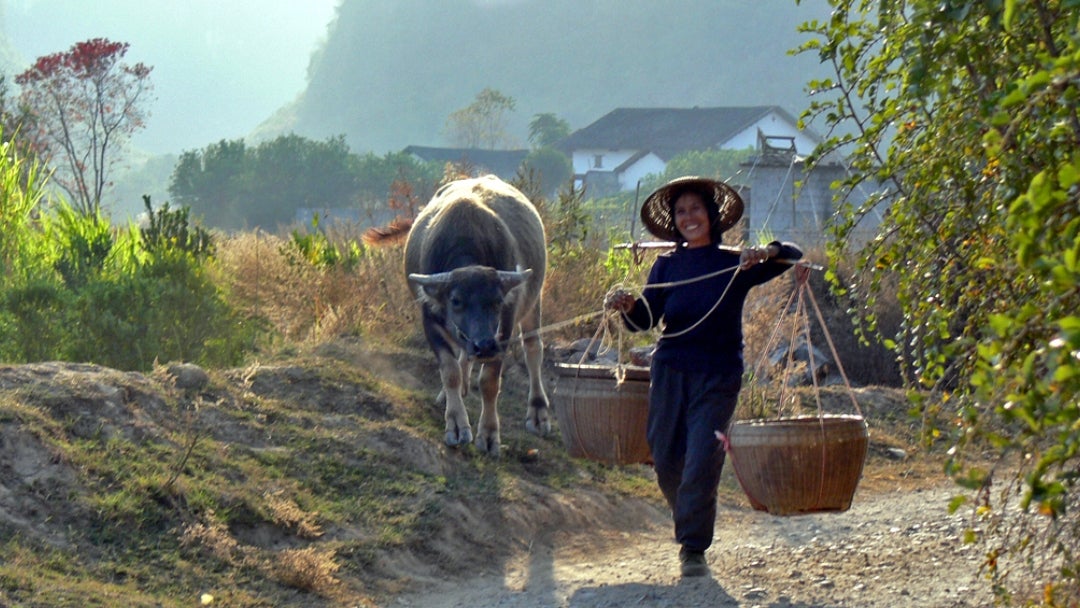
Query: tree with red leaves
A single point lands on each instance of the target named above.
(84, 104)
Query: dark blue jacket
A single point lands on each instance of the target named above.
(716, 343)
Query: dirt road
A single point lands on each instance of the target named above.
(892, 549)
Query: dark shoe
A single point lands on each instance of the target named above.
(693, 563)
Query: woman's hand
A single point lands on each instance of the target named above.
(756, 255)
(620, 300)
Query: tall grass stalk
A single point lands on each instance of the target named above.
(22, 191)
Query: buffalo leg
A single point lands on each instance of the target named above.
(487, 430)
(537, 417)
(458, 431)
(466, 373)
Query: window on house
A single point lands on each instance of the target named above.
(598, 161)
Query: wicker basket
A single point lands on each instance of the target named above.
(798, 465)
(600, 418)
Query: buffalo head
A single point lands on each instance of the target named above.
(474, 304)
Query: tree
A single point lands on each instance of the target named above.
(482, 124)
(961, 117)
(380, 178)
(85, 104)
(291, 172)
(210, 182)
(546, 129)
(231, 185)
(720, 164)
(551, 166)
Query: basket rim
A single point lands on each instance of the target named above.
(799, 420)
(592, 370)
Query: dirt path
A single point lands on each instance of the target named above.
(892, 549)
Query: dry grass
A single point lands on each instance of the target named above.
(304, 303)
(213, 539)
(576, 284)
(307, 304)
(309, 569)
(286, 513)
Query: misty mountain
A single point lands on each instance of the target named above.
(9, 57)
(391, 71)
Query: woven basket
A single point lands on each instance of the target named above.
(599, 418)
(798, 465)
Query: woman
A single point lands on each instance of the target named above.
(697, 291)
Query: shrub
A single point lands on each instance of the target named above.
(78, 289)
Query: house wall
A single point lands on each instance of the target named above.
(772, 125)
(779, 210)
(604, 180)
(584, 160)
(648, 165)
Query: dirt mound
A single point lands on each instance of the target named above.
(321, 480)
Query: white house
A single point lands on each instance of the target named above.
(613, 153)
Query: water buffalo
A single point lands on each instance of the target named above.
(476, 255)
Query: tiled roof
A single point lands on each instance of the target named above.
(667, 131)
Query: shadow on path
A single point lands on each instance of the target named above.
(685, 593)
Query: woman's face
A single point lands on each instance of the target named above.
(692, 219)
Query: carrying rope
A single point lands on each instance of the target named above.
(602, 335)
(799, 296)
(590, 315)
(669, 284)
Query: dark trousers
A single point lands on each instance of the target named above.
(685, 410)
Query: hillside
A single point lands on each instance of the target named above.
(320, 479)
(391, 71)
(313, 480)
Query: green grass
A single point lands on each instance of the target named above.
(278, 482)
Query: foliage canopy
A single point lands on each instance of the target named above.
(232, 185)
(83, 104)
(961, 117)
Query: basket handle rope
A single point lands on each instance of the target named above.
(799, 296)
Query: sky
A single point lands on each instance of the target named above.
(220, 67)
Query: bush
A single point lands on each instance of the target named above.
(77, 289)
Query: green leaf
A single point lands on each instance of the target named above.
(956, 502)
(1069, 174)
(1065, 373)
(1001, 324)
(1010, 11)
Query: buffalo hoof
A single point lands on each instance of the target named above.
(459, 438)
(541, 428)
(488, 445)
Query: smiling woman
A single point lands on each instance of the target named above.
(696, 293)
(221, 68)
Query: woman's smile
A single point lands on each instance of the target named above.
(692, 220)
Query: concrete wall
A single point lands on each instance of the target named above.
(790, 204)
(780, 209)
